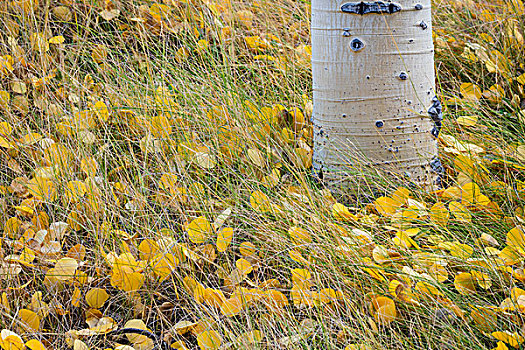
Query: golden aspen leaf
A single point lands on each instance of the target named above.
(168, 182)
(5, 98)
(202, 46)
(481, 279)
(56, 40)
(10, 340)
(89, 166)
(438, 272)
(96, 297)
(439, 214)
(464, 283)
(516, 237)
(460, 250)
(75, 190)
(299, 235)
(4, 143)
(99, 53)
(160, 127)
(163, 265)
(199, 230)
(29, 318)
(65, 269)
(494, 94)
(34, 344)
(472, 195)
(76, 298)
(341, 212)
(79, 345)
(132, 281)
(214, 297)
(247, 249)
(136, 338)
(42, 188)
(256, 157)
(205, 160)
(231, 307)
(383, 310)
(470, 92)
(460, 212)
(182, 55)
(301, 278)
(297, 257)
(510, 255)
(109, 15)
(513, 339)
(467, 120)
(484, 318)
(101, 110)
(386, 206)
(209, 340)
(401, 195)
(148, 248)
(427, 289)
(244, 266)
(275, 299)
(224, 238)
(260, 202)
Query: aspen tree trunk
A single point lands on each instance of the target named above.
(374, 91)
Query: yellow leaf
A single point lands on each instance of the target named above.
(34, 344)
(101, 111)
(148, 248)
(199, 230)
(467, 120)
(244, 266)
(460, 212)
(247, 249)
(99, 53)
(470, 91)
(260, 202)
(516, 238)
(96, 297)
(65, 269)
(341, 212)
(383, 310)
(11, 340)
(224, 238)
(386, 206)
(59, 39)
(485, 319)
(30, 319)
(209, 340)
(439, 214)
(299, 235)
(481, 279)
(231, 307)
(464, 283)
(513, 339)
(132, 281)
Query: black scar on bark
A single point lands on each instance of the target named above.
(363, 8)
(436, 114)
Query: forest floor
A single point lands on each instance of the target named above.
(155, 189)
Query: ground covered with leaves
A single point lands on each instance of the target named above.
(155, 189)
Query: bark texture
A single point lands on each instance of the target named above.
(374, 90)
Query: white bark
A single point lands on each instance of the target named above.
(373, 86)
